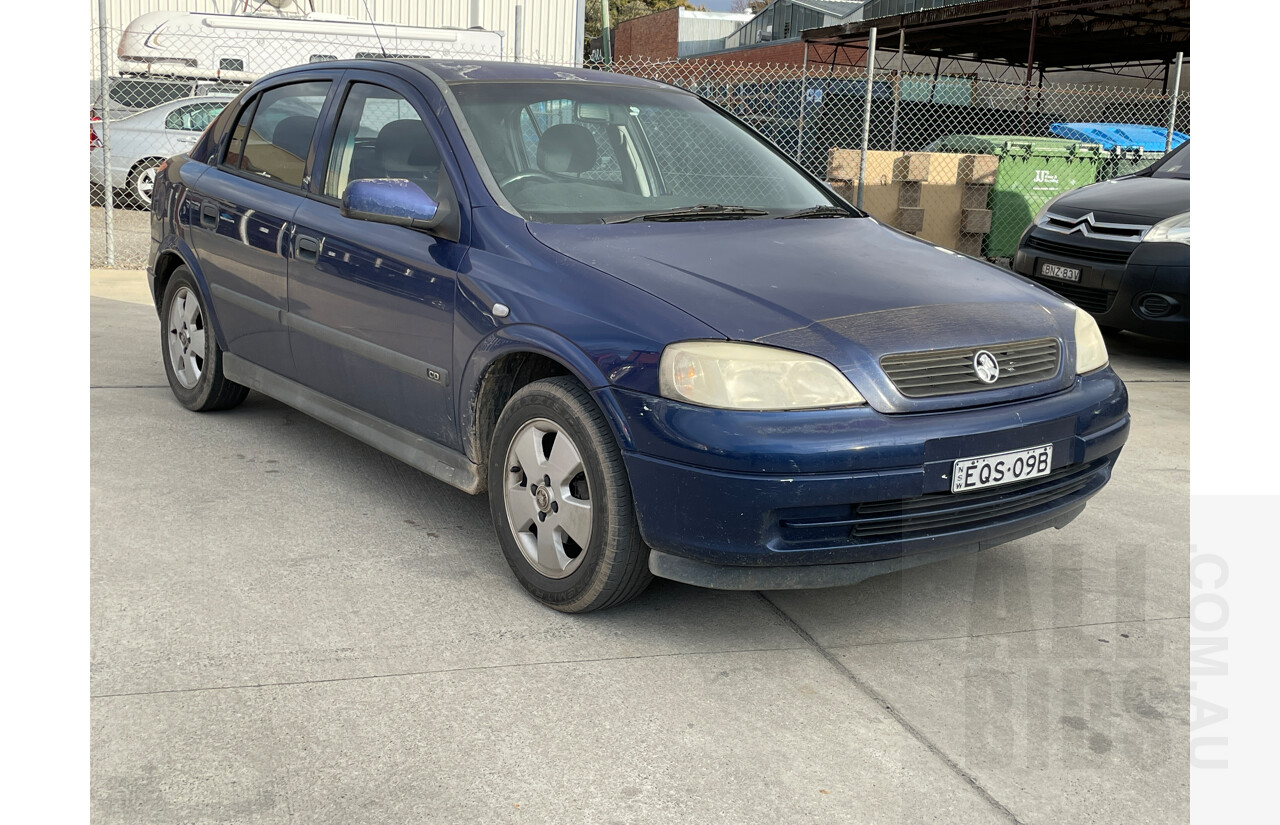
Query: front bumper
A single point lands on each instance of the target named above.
(1148, 292)
(767, 500)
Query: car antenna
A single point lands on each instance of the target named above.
(382, 48)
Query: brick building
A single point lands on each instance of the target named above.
(674, 33)
(771, 36)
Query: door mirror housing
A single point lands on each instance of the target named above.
(395, 201)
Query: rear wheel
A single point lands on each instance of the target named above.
(561, 502)
(192, 360)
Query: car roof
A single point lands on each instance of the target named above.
(480, 71)
(454, 72)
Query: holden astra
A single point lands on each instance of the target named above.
(660, 346)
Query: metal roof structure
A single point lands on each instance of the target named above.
(836, 8)
(1120, 36)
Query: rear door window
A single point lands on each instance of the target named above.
(192, 118)
(274, 137)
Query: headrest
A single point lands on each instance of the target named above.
(293, 134)
(567, 148)
(405, 149)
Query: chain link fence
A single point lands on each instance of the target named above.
(961, 162)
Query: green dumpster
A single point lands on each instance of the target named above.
(1030, 172)
(1129, 147)
(1117, 161)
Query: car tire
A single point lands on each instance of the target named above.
(189, 349)
(142, 181)
(556, 478)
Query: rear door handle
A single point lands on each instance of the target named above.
(306, 248)
(209, 216)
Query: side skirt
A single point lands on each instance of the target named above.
(426, 455)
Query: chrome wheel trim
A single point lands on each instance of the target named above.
(547, 500)
(186, 338)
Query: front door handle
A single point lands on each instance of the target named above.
(209, 216)
(306, 248)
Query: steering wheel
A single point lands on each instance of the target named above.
(531, 174)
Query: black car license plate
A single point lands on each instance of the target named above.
(1060, 272)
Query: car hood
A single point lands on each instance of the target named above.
(847, 290)
(1122, 199)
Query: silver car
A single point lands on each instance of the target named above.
(139, 143)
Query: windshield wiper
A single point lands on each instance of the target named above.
(703, 211)
(819, 212)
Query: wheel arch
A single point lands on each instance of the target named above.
(512, 358)
(173, 253)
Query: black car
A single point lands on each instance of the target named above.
(1120, 249)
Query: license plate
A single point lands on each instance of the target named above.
(1062, 273)
(1002, 468)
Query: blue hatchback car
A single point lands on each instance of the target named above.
(660, 346)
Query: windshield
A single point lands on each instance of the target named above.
(580, 152)
(1176, 165)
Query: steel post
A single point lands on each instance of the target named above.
(866, 115)
(897, 92)
(517, 34)
(1173, 104)
(804, 82)
(605, 46)
(104, 72)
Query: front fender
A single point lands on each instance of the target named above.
(529, 338)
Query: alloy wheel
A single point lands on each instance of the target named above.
(547, 500)
(186, 337)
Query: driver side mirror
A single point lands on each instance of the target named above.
(392, 200)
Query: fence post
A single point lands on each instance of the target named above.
(517, 34)
(1173, 104)
(804, 83)
(104, 70)
(897, 86)
(866, 116)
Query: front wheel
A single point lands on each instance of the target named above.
(192, 360)
(561, 502)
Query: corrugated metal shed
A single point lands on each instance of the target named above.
(551, 27)
(705, 31)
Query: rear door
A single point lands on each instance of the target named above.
(245, 205)
(371, 305)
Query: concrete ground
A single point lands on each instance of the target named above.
(289, 626)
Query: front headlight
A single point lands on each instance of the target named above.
(1091, 350)
(1170, 230)
(736, 376)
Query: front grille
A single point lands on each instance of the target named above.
(941, 513)
(951, 371)
(1087, 298)
(1084, 253)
